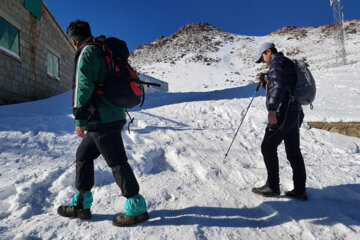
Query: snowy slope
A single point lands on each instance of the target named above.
(176, 149)
(202, 56)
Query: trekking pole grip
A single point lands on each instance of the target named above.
(258, 86)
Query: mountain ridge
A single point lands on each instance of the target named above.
(211, 50)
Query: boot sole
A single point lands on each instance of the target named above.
(72, 217)
(303, 199)
(128, 225)
(266, 194)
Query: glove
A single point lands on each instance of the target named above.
(263, 79)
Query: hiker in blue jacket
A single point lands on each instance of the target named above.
(99, 124)
(285, 118)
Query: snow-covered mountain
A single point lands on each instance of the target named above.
(177, 148)
(214, 59)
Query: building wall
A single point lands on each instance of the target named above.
(164, 86)
(25, 78)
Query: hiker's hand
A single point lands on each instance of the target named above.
(272, 117)
(80, 131)
(262, 79)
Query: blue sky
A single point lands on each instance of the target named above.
(140, 21)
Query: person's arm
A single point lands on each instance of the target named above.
(86, 72)
(276, 88)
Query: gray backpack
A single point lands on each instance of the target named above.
(305, 88)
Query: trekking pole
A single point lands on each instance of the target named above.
(226, 154)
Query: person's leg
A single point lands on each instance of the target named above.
(272, 139)
(84, 181)
(111, 146)
(296, 159)
(86, 153)
(293, 152)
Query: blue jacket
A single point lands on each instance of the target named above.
(282, 77)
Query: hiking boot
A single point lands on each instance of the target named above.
(74, 212)
(126, 220)
(266, 191)
(302, 196)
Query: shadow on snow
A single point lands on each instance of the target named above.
(54, 114)
(154, 100)
(328, 206)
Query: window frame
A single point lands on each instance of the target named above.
(34, 7)
(17, 26)
(49, 71)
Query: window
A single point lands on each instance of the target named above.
(52, 65)
(34, 7)
(9, 37)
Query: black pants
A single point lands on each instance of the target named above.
(107, 142)
(286, 129)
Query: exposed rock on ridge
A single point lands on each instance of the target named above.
(214, 54)
(194, 38)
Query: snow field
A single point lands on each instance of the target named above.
(177, 152)
(177, 148)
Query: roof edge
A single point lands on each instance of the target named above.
(57, 24)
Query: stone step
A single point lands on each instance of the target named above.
(347, 128)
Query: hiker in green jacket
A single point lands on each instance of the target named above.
(99, 124)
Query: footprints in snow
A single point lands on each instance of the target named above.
(158, 160)
(146, 158)
(153, 161)
(40, 192)
(142, 154)
(5, 194)
(30, 197)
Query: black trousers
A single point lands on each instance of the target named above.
(287, 129)
(109, 143)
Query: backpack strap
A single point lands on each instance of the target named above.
(291, 95)
(131, 119)
(107, 51)
(143, 95)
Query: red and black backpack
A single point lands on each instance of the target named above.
(122, 86)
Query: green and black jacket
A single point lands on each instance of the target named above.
(90, 70)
